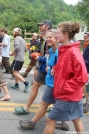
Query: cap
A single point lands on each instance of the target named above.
(18, 30)
(35, 34)
(87, 33)
(46, 22)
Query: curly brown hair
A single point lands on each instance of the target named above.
(70, 28)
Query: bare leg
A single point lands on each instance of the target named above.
(78, 125)
(41, 111)
(18, 76)
(50, 125)
(16, 80)
(7, 95)
(33, 95)
(85, 93)
(30, 66)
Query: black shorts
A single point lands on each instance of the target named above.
(16, 65)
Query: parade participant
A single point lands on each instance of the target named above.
(44, 26)
(3, 84)
(69, 77)
(18, 53)
(86, 60)
(86, 39)
(47, 99)
(1, 38)
(34, 47)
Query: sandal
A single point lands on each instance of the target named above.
(26, 124)
(62, 126)
(86, 108)
(20, 110)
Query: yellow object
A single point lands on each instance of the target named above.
(33, 48)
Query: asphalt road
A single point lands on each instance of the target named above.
(9, 121)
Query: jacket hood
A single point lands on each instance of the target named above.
(74, 44)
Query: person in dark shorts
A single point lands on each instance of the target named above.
(19, 51)
(44, 26)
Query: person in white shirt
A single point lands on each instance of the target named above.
(5, 49)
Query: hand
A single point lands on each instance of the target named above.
(52, 72)
(11, 54)
(47, 68)
(36, 57)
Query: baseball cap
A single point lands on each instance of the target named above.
(18, 30)
(35, 34)
(46, 22)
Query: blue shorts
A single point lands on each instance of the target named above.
(48, 95)
(66, 111)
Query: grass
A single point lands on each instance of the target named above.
(26, 61)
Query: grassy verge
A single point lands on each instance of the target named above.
(26, 62)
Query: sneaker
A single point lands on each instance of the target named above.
(26, 124)
(26, 87)
(86, 108)
(84, 104)
(62, 126)
(15, 87)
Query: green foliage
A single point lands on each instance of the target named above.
(26, 13)
(26, 22)
(83, 8)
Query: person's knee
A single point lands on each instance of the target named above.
(44, 105)
(49, 121)
(36, 86)
(14, 73)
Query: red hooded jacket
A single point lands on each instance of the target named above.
(70, 73)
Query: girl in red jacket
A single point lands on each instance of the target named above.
(70, 75)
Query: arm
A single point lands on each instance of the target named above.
(16, 47)
(5, 41)
(78, 73)
(12, 53)
(3, 44)
(42, 59)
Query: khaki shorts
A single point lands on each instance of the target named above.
(2, 80)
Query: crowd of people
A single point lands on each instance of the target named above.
(61, 66)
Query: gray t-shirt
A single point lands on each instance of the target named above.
(19, 48)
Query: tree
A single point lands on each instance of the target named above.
(83, 8)
(27, 22)
(54, 10)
